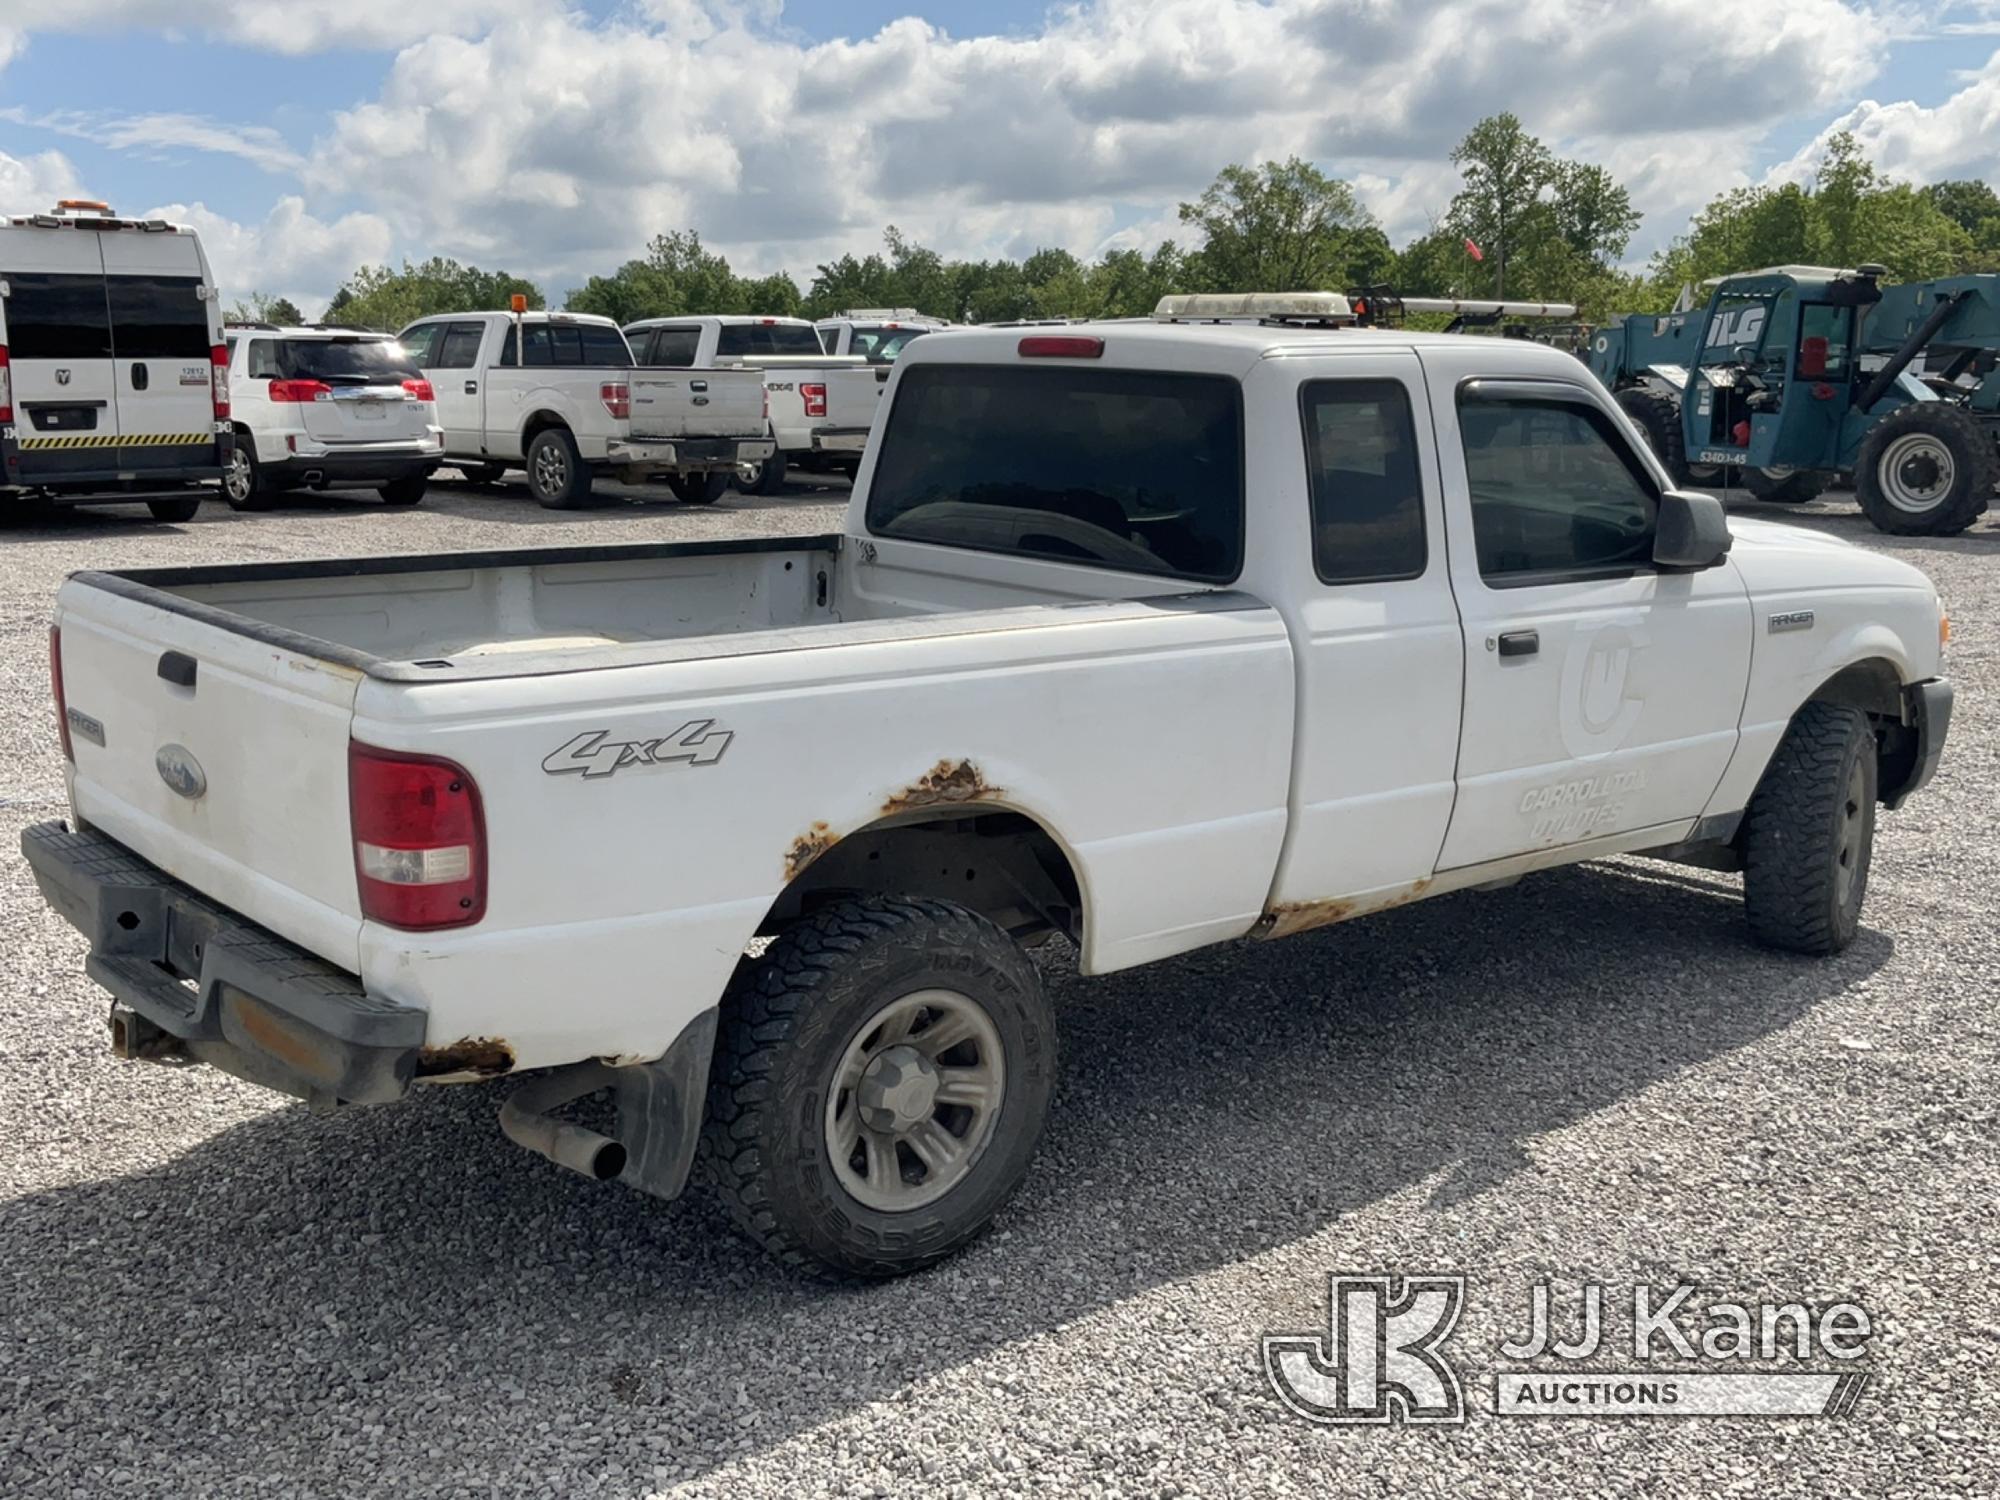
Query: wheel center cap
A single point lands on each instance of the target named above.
(1921, 473)
(898, 1090)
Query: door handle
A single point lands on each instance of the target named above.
(471, 387)
(138, 375)
(1519, 642)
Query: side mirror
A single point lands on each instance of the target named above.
(1692, 532)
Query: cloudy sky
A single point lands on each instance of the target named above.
(554, 137)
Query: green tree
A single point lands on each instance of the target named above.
(377, 297)
(262, 307)
(679, 275)
(1282, 227)
(1500, 208)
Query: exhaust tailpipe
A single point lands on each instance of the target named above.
(524, 1120)
(315, 478)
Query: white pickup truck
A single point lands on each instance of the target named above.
(1148, 635)
(557, 394)
(821, 405)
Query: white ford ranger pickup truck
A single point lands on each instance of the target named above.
(1151, 635)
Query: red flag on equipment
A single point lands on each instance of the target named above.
(1474, 251)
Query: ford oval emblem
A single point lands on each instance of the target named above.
(181, 771)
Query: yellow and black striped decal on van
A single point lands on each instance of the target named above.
(118, 440)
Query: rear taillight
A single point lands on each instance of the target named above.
(617, 398)
(301, 390)
(218, 380)
(815, 397)
(420, 390)
(419, 839)
(6, 388)
(56, 686)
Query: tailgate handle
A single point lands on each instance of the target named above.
(178, 668)
(697, 385)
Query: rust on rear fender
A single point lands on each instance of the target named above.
(943, 784)
(808, 847)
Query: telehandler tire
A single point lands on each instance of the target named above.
(1659, 418)
(1926, 470)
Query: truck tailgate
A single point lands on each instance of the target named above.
(697, 403)
(219, 755)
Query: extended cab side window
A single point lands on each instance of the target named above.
(526, 346)
(458, 346)
(675, 347)
(1557, 492)
(1361, 469)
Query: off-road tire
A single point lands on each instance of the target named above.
(1975, 469)
(769, 478)
(1659, 418)
(698, 489)
(179, 508)
(1786, 487)
(556, 474)
(1811, 821)
(406, 491)
(787, 1019)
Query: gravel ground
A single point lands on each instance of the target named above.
(1591, 1076)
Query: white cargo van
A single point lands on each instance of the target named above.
(114, 383)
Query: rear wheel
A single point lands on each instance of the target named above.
(764, 478)
(408, 490)
(242, 480)
(881, 1077)
(1927, 470)
(556, 473)
(1658, 416)
(1785, 486)
(481, 473)
(179, 508)
(1810, 831)
(698, 489)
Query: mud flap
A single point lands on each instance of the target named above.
(660, 1106)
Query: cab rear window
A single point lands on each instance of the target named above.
(742, 340)
(1138, 471)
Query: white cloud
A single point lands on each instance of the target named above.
(290, 254)
(35, 182)
(294, 27)
(557, 144)
(1958, 138)
(157, 134)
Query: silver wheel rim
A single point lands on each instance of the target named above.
(914, 1100)
(551, 469)
(1851, 848)
(236, 478)
(1916, 472)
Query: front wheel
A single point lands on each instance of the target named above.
(556, 473)
(1809, 833)
(881, 1077)
(409, 490)
(179, 508)
(1926, 470)
(698, 489)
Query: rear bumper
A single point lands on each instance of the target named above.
(109, 475)
(687, 454)
(840, 439)
(188, 977)
(371, 466)
(1928, 708)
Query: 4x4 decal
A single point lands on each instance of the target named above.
(594, 753)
